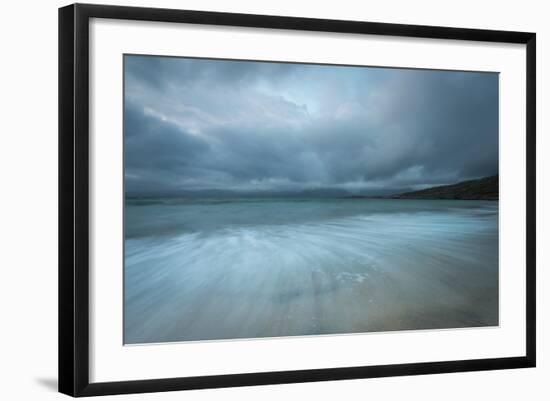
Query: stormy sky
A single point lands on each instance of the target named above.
(196, 124)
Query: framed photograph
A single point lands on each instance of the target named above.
(251, 199)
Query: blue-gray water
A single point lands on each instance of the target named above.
(221, 269)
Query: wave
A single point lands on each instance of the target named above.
(344, 275)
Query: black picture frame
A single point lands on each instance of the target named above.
(74, 191)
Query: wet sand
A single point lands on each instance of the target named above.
(364, 272)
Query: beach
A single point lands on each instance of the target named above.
(213, 269)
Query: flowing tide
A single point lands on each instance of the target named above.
(223, 269)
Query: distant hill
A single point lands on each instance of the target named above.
(482, 189)
(229, 194)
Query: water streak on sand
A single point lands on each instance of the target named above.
(203, 270)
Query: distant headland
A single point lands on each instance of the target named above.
(481, 189)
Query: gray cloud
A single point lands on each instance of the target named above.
(193, 124)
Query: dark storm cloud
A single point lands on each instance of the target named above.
(201, 124)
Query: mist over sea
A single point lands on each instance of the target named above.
(205, 269)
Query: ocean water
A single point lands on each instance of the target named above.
(223, 269)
